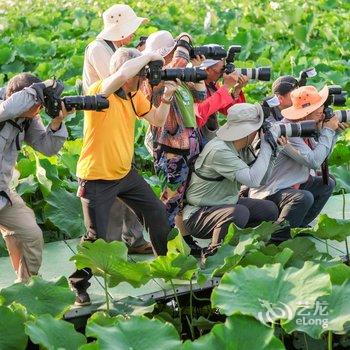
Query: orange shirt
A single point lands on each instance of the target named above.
(108, 143)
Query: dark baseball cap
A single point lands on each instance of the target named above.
(284, 84)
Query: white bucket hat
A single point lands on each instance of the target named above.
(119, 22)
(242, 120)
(161, 42)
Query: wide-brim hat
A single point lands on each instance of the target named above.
(306, 100)
(242, 120)
(120, 21)
(161, 42)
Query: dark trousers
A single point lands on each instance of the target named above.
(134, 191)
(213, 222)
(300, 206)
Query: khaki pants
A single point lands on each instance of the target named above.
(18, 221)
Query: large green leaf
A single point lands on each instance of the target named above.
(339, 273)
(238, 333)
(174, 266)
(54, 334)
(63, 209)
(44, 183)
(328, 228)
(110, 260)
(269, 293)
(12, 336)
(328, 313)
(40, 296)
(137, 333)
(132, 306)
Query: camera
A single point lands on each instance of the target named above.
(305, 74)
(336, 97)
(343, 115)
(216, 52)
(53, 100)
(261, 73)
(155, 74)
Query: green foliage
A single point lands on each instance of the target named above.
(40, 296)
(138, 333)
(53, 334)
(235, 334)
(262, 292)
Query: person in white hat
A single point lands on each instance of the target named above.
(219, 171)
(179, 139)
(120, 24)
(295, 183)
(219, 97)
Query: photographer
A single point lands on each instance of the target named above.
(282, 88)
(218, 97)
(105, 165)
(20, 122)
(219, 171)
(294, 185)
(120, 24)
(179, 139)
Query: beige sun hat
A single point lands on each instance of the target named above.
(305, 99)
(242, 120)
(119, 22)
(161, 42)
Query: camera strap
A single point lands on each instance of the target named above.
(110, 44)
(184, 44)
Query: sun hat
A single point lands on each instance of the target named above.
(242, 120)
(161, 42)
(284, 84)
(305, 99)
(119, 22)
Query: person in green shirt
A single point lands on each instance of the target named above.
(222, 167)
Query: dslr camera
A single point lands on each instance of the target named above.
(336, 97)
(261, 73)
(53, 101)
(155, 73)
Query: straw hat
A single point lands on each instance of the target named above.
(242, 120)
(305, 99)
(161, 42)
(119, 22)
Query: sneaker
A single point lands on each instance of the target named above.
(82, 298)
(196, 250)
(142, 249)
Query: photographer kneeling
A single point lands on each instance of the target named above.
(212, 196)
(105, 165)
(294, 184)
(20, 121)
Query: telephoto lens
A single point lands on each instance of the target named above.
(93, 102)
(210, 52)
(343, 115)
(262, 73)
(306, 128)
(184, 74)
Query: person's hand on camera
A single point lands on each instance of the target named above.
(57, 121)
(343, 126)
(40, 87)
(242, 81)
(230, 80)
(282, 141)
(198, 60)
(169, 89)
(155, 56)
(332, 123)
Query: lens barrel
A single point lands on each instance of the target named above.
(262, 73)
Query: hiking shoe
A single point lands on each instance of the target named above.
(142, 249)
(196, 250)
(82, 298)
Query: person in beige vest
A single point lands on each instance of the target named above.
(120, 24)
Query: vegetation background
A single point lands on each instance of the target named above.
(48, 38)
